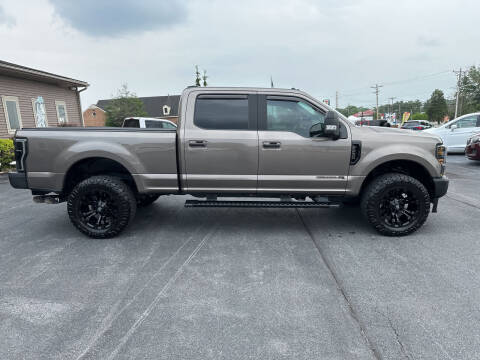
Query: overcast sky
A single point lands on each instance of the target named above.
(410, 46)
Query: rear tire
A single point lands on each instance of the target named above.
(395, 204)
(146, 199)
(101, 206)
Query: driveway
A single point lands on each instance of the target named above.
(192, 283)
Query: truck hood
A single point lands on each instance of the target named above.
(394, 132)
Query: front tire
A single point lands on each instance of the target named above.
(395, 204)
(101, 206)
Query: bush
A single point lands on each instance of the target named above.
(7, 153)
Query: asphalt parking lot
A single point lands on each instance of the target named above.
(189, 283)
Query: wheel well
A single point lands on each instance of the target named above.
(86, 168)
(406, 167)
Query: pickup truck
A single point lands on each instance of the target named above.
(249, 144)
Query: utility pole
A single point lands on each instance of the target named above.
(376, 87)
(391, 99)
(336, 99)
(459, 78)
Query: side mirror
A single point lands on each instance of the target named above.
(332, 125)
(453, 127)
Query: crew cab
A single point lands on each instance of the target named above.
(236, 142)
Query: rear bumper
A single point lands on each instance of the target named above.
(440, 186)
(18, 180)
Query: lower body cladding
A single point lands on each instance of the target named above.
(102, 206)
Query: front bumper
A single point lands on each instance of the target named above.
(18, 180)
(472, 151)
(440, 186)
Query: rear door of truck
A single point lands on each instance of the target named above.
(221, 142)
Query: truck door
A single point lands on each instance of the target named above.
(290, 161)
(221, 142)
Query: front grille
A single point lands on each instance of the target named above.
(20, 154)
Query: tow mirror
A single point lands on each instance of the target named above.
(332, 125)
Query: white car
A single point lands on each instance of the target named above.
(456, 132)
(144, 123)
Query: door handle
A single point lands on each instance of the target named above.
(272, 144)
(197, 143)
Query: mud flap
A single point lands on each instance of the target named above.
(435, 205)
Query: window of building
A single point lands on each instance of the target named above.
(166, 110)
(12, 113)
(62, 115)
(222, 113)
(292, 115)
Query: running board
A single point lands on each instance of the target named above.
(261, 204)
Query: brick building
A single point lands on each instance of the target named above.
(94, 116)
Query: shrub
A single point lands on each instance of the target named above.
(7, 153)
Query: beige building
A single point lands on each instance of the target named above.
(35, 98)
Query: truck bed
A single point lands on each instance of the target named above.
(149, 155)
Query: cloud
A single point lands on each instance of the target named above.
(112, 18)
(428, 41)
(5, 18)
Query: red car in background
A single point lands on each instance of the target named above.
(472, 150)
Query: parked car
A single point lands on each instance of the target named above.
(417, 125)
(244, 142)
(145, 123)
(384, 123)
(472, 150)
(456, 132)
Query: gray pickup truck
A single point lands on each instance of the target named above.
(237, 143)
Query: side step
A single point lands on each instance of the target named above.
(261, 204)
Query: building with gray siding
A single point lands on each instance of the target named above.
(34, 98)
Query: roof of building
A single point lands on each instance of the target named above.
(153, 104)
(15, 70)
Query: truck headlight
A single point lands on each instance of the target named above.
(441, 155)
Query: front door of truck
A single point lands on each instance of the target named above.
(221, 142)
(290, 161)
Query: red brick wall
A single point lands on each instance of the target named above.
(94, 117)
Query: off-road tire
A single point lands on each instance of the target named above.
(144, 200)
(121, 200)
(375, 194)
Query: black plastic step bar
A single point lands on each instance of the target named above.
(261, 204)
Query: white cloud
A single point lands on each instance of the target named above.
(318, 46)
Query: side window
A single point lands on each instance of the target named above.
(167, 125)
(131, 123)
(12, 113)
(149, 124)
(221, 113)
(293, 116)
(61, 112)
(468, 122)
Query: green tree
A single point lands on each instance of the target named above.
(436, 107)
(197, 77)
(125, 104)
(469, 99)
(204, 78)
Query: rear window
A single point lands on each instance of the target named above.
(230, 113)
(131, 123)
(153, 124)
